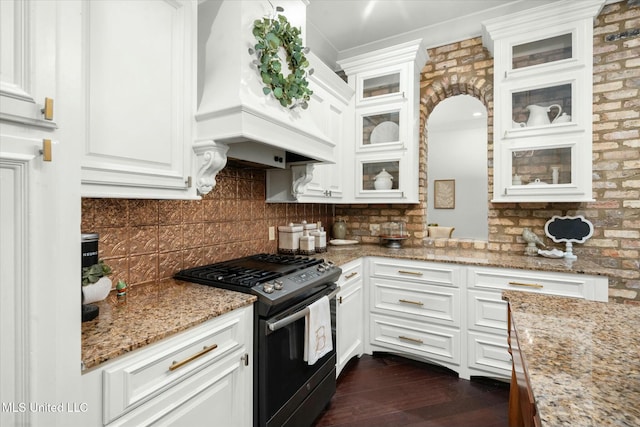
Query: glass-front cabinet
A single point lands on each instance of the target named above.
(381, 128)
(386, 83)
(381, 177)
(542, 102)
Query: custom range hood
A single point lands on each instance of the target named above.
(235, 119)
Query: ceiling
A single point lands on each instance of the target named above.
(340, 29)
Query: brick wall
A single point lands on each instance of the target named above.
(466, 67)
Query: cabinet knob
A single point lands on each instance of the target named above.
(46, 150)
(47, 110)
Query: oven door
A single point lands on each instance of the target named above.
(292, 392)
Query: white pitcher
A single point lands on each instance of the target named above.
(538, 114)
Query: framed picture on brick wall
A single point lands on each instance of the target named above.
(444, 193)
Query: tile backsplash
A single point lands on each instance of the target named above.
(146, 240)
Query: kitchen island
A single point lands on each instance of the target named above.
(581, 358)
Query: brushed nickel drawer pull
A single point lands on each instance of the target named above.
(414, 273)
(175, 365)
(411, 302)
(415, 340)
(349, 276)
(529, 285)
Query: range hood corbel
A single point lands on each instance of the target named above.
(302, 175)
(211, 158)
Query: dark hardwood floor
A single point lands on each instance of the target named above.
(391, 391)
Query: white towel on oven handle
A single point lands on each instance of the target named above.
(317, 339)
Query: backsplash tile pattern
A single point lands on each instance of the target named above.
(148, 240)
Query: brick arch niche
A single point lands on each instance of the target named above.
(462, 68)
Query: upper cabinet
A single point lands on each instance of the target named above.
(27, 65)
(386, 138)
(331, 110)
(542, 102)
(139, 71)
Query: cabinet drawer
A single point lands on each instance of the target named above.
(213, 393)
(427, 341)
(486, 311)
(569, 285)
(153, 369)
(407, 270)
(417, 301)
(490, 354)
(351, 273)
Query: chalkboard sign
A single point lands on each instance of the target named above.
(573, 229)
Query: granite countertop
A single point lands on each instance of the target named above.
(480, 257)
(150, 314)
(582, 358)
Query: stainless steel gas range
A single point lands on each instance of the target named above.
(287, 390)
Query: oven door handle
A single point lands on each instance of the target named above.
(274, 326)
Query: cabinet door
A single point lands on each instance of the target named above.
(140, 98)
(27, 66)
(373, 181)
(326, 184)
(382, 128)
(39, 213)
(382, 85)
(349, 315)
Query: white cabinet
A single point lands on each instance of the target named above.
(27, 64)
(349, 314)
(139, 71)
(39, 205)
(194, 377)
(542, 98)
(331, 108)
(453, 314)
(415, 308)
(386, 83)
(487, 313)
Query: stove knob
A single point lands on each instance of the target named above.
(321, 268)
(278, 285)
(268, 288)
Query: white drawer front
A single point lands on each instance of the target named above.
(489, 353)
(486, 311)
(141, 376)
(416, 301)
(407, 270)
(428, 341)
(351, 273)
(210, 394)
(569, 285)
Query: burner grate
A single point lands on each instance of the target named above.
(248, 271)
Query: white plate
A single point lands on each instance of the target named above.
(385, 132)
(553, 253)
(342, 242)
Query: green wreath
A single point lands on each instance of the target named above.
(271, 35)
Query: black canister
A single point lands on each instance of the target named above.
(89, 258)
(89, 249)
